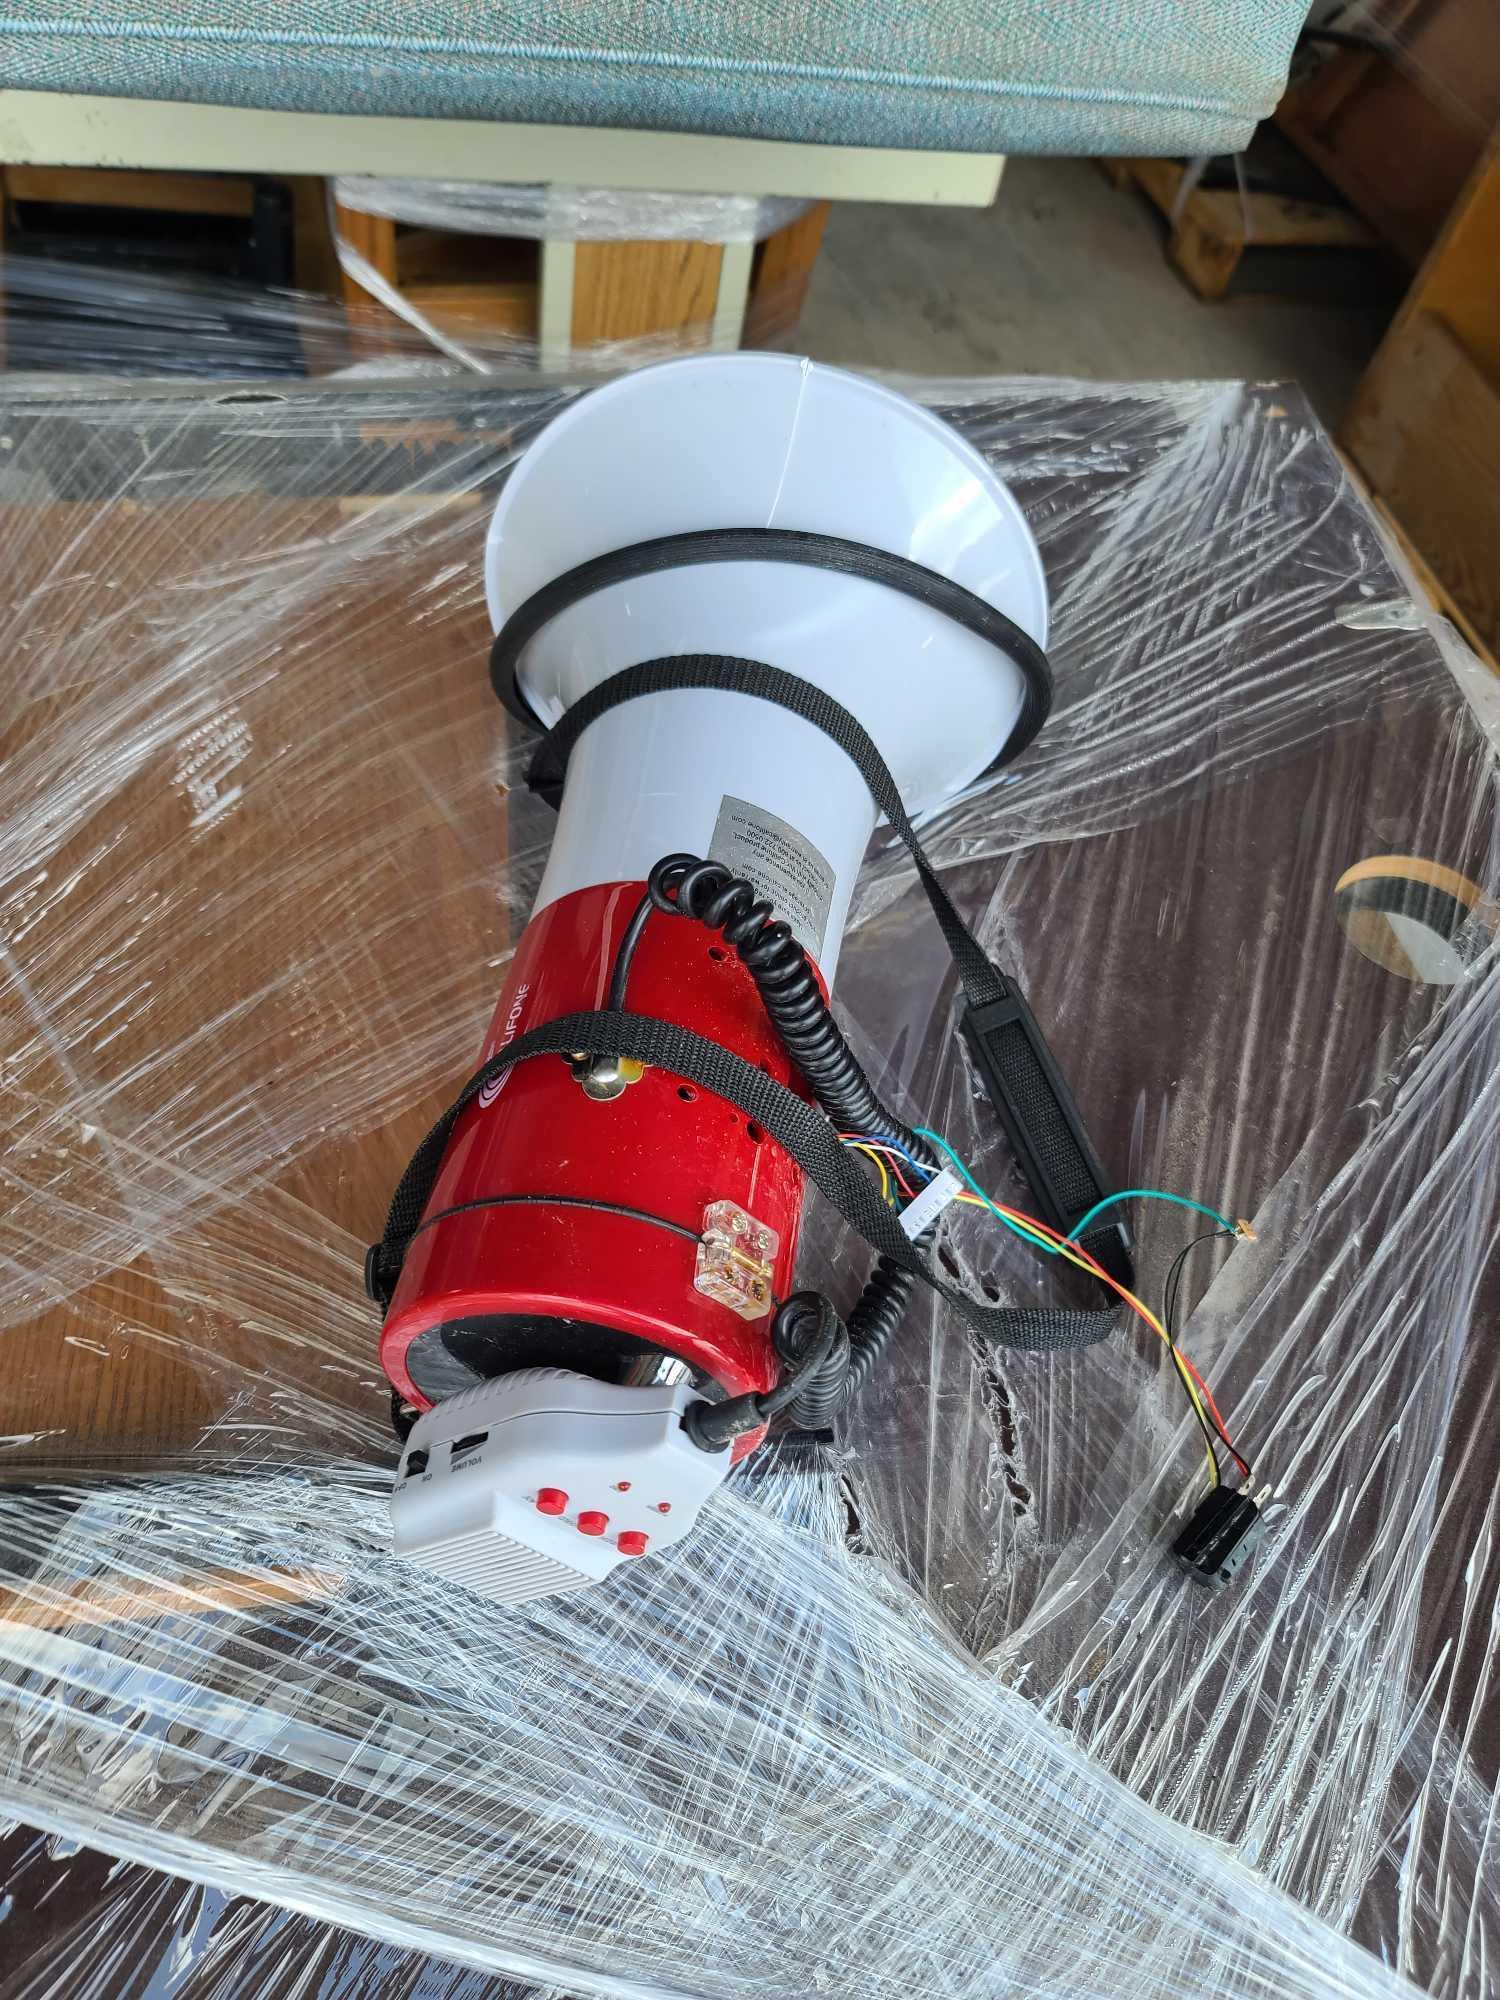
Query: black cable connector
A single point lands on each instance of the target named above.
(807, 1330)
(1226, 1529)
(711, 1426)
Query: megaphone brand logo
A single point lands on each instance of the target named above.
(492, 1090)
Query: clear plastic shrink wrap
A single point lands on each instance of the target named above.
(930, 1713)
(87, 321)
(593, 215)
(536, 212)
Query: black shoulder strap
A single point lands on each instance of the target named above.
(794, 1123)
(780, 545)
(1020, 1074)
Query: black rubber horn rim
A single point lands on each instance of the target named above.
(786, 545)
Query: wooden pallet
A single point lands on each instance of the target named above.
(1212, 228)
(1424, 426)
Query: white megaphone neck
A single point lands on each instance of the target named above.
(755, 441)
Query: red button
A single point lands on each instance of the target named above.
(632, 1543)
(552, 1500)
(592, 1523)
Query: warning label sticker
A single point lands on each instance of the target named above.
(782, 863)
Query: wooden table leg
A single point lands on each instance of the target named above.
(622, 291)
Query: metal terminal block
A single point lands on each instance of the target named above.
(736, 1259)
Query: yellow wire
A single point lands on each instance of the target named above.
(885, 1179)
(975, 1201)
(1064, 1248)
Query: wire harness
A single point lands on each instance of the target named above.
(828, 1371)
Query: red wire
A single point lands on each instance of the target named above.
(892, 1160)
(1208, 1394)
(1056, 1236)
(1046, 1230)
(1213, 1409)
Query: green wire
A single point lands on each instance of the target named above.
(1149, 1194)
(1020, 1228)
(1125, 1194)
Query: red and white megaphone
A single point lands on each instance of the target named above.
(597, 1245)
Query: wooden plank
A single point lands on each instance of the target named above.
(1160, 179)
(1432, 586)
(1399, 136)
(783, 271)
(439, 272)
(115, 187)
(624, 290)
(1205, 256)
(1212, 228)
(509, 309)
(1314, 103)
(373, 236)
(1274, 220)
(1425, 431)
(315, 266)
(1424, 425)
(1405, 215)
(1438, 594)
(316, 269)
(1278, 222)
(1461, 279)
(373, 328)
(451, 257)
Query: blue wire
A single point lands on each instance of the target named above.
(870, 1139)
(1149, 1194)
(1026, 1235)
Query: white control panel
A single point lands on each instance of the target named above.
(545, 1481)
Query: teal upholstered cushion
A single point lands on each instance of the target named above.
(1115, 76)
